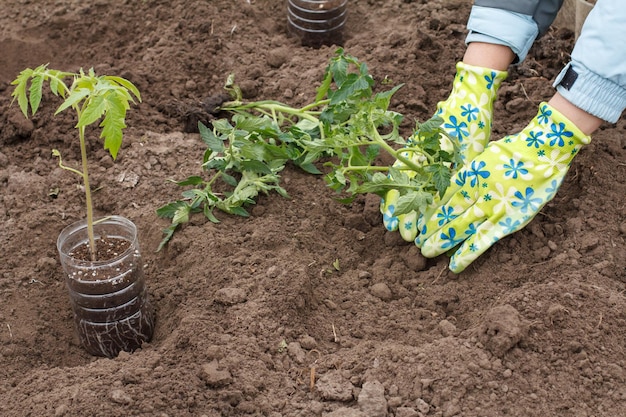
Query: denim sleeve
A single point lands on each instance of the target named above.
(595, 79)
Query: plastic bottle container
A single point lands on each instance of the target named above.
(317, 22)
(112, 312)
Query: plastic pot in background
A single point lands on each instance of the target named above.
(317, 22)
(112, 310)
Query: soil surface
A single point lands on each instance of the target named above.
(252, 316)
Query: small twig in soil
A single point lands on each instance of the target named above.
(334, 333)
(10, 332)
(599, 322)
(440, 274)
(312, 379)
(540, 263)
(524, 91)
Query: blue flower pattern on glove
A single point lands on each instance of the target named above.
(389, 220)
(466, 115)
(502, 189)
(477, 171)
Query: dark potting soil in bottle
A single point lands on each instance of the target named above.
(112, 310)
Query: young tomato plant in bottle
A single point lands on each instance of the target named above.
(93, 98)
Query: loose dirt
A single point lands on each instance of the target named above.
(253, 318)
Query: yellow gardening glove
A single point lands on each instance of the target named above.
(502, 189)
(466, 115)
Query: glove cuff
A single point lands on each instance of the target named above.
(486, 79)
(468, 111)
(559, 130)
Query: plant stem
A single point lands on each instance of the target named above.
(85, 175)
(274, 106)
(396, 154)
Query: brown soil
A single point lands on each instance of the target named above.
(253, 318)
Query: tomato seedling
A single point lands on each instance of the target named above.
(344, 128)
(92, 98)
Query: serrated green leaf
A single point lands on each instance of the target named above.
(35, 92)
(310, 168)
(432, 125)
(112, 126)
(169, 210)
(19, 92)
(254, 151)
(322, 90)
(215, 163)
(238, 211)
(75, 97)
(168, 233)
(416, 201)
(181, 215)
(126, 84)
(256, 166)
(222, 126)
(208, 213)
(229, 179)
(441, 177)
(96, 107)
(209, 138)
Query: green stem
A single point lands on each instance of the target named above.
(275, 106)
(85, 175)
(364, 168)
(396, 154)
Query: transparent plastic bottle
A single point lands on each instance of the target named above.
(112, 312)
(317, 22)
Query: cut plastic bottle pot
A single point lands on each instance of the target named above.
(112, 310)
(317, 22)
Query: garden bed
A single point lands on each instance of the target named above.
(308, 307)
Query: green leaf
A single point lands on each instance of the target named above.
(75, 97)
(416, 201)
(256, 166)
(192, 180)
(168, 233)
(254, 151)
(126, 84)
(181, 215)
(229, 179)
(19, 92)
(169, 210)
(209, 138)
(222, 126)
(441, 177)
(322, 90)
(112, 126)
(310, 168)
(96, 107)
(432, 125)
(36, 86)
(352, 87)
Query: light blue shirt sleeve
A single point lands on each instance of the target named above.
(502, 27)
(599, 62)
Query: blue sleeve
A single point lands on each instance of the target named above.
(595, 79)
(503, 27)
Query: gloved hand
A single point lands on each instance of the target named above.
(466, 115)
(502, 189)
